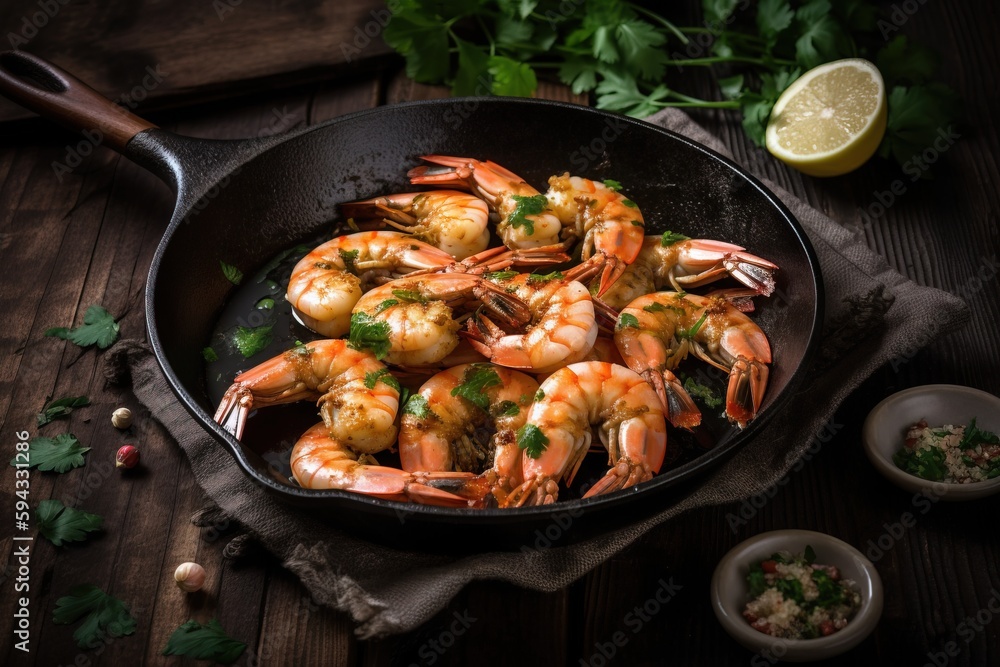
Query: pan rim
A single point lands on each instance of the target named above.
(674, 477)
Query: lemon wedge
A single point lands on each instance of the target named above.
(830, 120)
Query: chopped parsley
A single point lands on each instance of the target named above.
(418, 407)
(349, 257)
(251, 340)
(500, 275)
(531, 439)
(612, 184)
(973, 436)
(232, 274)
(655, 307)
(385, 305)
(691, 332)
(698, 390)
(505, 409)
(267, 303)
(209, 354)
(477, 378)
(539, 395)
(383, 376)
(368, 333)
(669, 238)
(927, 464)
(525, 206)
(628, 320)
(412, 296)
(629, 203)
(545, 277)
(638, 223)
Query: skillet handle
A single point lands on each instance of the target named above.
(55, 94)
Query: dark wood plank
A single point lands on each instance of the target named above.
(199, 49)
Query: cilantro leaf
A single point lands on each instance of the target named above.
(349, 257)
(612, 184)
(60, 454)
(531, 439)
(251, 340)
(639, 44)
(525, 206)
(626, 320)
(476, 380)
(62, 524)
(232, 274)
(103, 615)
(505, 409)
(386, 305)
(418, 407)
(717, 11)
(383, 376)
(668, 238)
(578, 73)
(511, 77)
(698, 390)
(368, 333)
(618, 92)
(204, 642)
(519, 8)
(918, 115)
(758, 584)
(209, 354)
(655, 307)
(974, 436)
(99, 327)
(539, 395)
(61, 408)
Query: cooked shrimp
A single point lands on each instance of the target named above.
(611, 225)
(361, 417)
(455, 222)
(562, 329)
(673, 261)
(526, 221)
(320, 461)
(410, 321)
(558, 431)
(326, 284)
(464, 419)
(657, 331)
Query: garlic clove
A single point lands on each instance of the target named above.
(121, 418)
(190, 577)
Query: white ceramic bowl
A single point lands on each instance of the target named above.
(730, 593)
(886, 426)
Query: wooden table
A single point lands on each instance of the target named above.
(68, 240)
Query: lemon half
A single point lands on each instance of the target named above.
(830, 120)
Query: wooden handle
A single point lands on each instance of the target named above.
(57, 95)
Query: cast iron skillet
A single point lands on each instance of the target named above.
(251, 199)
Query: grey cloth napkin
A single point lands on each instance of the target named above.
(872, 310)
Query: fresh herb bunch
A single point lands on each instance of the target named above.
(620, 52)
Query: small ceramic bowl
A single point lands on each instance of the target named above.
(939, 404)
(730, 594)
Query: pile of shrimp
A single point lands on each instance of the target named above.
(512, 373)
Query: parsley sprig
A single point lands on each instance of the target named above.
(619, 52)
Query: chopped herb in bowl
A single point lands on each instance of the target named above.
(793, 597)
(949, 453)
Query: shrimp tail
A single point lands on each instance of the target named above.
(234, 409)
(749, 373)
(678, 405)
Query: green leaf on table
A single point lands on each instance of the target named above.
(232, 274)
(519, 8)
(617, 92)
(104, 616)
(204, 642)
(99, 327)
(640, 45)
(918, 117)
(61, 408)
(513, 31)
(60, 524)
(58, 454)
(732, 86)
(578, 73)
(756, 106)
(717, 11)
(511, 77)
